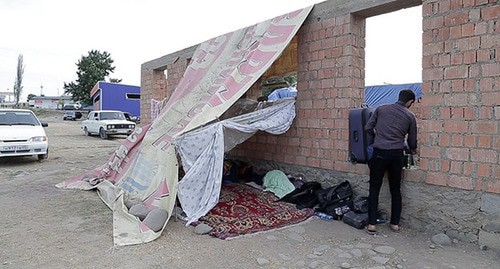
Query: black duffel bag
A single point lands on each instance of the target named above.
(335, 201)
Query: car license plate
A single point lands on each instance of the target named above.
(14, 148)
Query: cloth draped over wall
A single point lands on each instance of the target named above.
(204, 148)
(145, 165)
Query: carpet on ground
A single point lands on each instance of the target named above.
(243, 209)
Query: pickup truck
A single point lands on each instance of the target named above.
(106, 123)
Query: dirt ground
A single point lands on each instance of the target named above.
(45, 227)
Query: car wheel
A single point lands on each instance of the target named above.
(43, 156)
(86, 131)
(103, 134)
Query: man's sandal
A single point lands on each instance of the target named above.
(371, 229)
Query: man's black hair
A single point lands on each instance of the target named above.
(406, 95)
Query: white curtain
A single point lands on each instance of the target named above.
(202, 153)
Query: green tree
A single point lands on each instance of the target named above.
(18, 84)
(94, 67)
(30, 96)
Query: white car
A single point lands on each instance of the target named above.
(107, 122)
(22, 134)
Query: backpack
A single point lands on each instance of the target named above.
(335, 201)
(360, 204)
(304, 196)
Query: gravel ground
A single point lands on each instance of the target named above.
(46, 227)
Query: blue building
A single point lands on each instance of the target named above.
(115, 96)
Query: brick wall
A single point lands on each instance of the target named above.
(330, 81)
(460, 123)
(458, 118)
(158, 83)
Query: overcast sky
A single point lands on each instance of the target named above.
(53, 35)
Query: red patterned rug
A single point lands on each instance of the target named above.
(243, 209)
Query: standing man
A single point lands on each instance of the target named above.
(389, 125)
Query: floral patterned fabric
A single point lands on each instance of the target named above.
(243, 209)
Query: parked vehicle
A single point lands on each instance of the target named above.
(131, 117)
(71, 107)
(22, 134)
(72, 115)
(106, 123)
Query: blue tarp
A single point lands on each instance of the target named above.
(388, 94)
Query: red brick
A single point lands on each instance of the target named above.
(487, 84)
(456, 19)
(456, 59)
(427, 9)
(457, 85)
(483, 170)
(469, 57)
(474, 71)
(479, 184)
(457, 140)
(455, 4)
(481, 28)
(468, 168)
(432, 23)
(456, 126)
(492, 186)
(468, 29)
(433, 125)
(490, 99)
(469, 113)
(468, 3)
(424, 164)
(445, 166)
(433, 48)
(452, 72)
(427, 36)
(457, 154)
(443, 6)
(492, 69)
(456, 167)
(444, 140)
(485, 156)
(430, 152)
(490, 13)
(469, 43)
(437, 178)
(470, 85)
(484, 127)
(455, 32)
(490, 40)
(484, 141)
(465, 183)
(457, 113)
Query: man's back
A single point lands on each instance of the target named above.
(390, 124)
